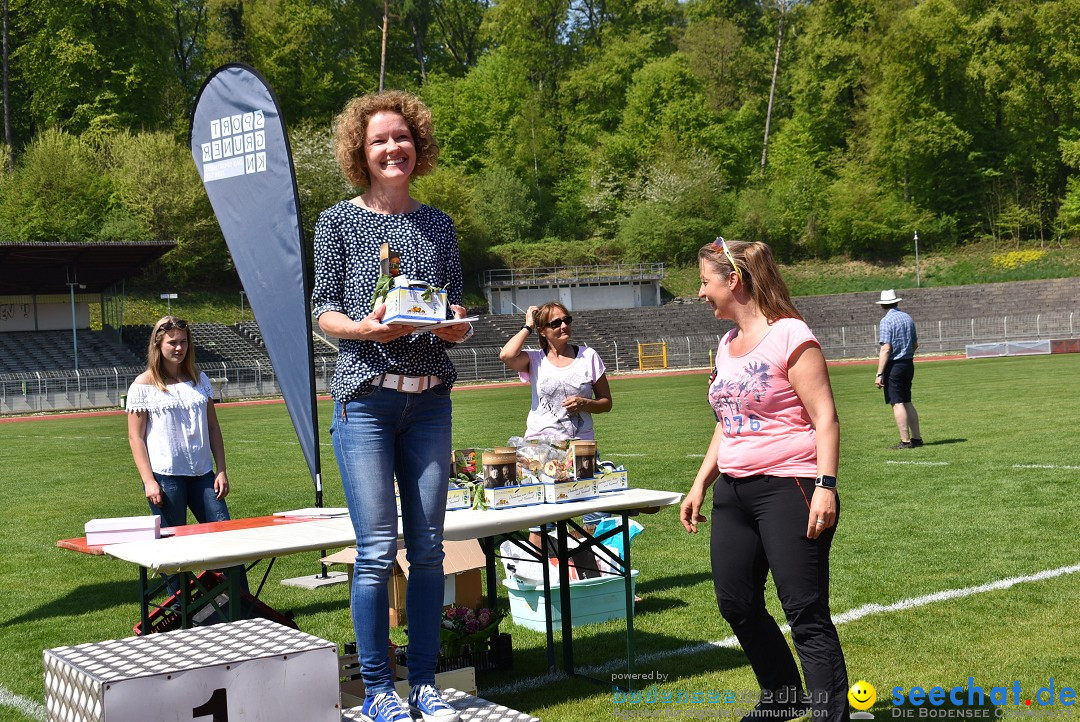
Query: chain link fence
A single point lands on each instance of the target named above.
(47, 391)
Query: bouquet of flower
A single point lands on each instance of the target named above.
(464, 627)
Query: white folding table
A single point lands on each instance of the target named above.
(247, 541)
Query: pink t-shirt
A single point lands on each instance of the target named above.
(767, 430)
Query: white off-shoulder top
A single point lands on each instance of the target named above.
(177, 430)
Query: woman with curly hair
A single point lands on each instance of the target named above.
(391, 387)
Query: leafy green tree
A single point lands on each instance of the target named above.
(458, 195)
(680, 206)
(95, 64)
(313, 53)
(457, 24)
(923, 114)
(57, 192)
(227, 40)
(476, 116)
(720, 57)
(864, 218)
(506, 205)
(531, 31)
(784, 209)
(664, 112)
(1068, 217)
(158, 194)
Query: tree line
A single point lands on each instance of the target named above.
(572, 131)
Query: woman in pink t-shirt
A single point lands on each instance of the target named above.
(773, 457)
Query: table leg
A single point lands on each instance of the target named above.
(548, 620)
(629, 588)
(144, 601)
(564, 597)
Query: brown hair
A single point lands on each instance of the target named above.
(350, 129)
(155, 362)
(544, 314)
(759, 273)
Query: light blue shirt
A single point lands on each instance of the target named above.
(898, 330)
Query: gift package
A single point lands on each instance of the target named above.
(533, 471)
(413, 302)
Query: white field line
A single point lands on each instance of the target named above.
(1043, 466)
(45, 437)
(623, 454)
(919, 463)
(851, 615)
(28, 707)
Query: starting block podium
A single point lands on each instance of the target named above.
(247, 670)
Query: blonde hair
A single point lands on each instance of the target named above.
(155, 362)
(350, 130)
(758, 272)
(545, 314)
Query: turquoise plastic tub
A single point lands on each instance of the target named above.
(592, 600)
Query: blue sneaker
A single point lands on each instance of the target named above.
(427, 700)
(384, 707)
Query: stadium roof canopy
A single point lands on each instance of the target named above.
(48, 268)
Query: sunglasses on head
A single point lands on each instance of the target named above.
(170, 325)
(721, 245)
(556, 322)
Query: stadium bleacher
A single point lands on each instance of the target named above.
(214, 343)
(242, 343)
(48, 351)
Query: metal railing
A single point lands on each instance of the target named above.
(574, 274)
(67, 390)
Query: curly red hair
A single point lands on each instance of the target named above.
(350, 129)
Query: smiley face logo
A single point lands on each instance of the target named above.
(862, 695)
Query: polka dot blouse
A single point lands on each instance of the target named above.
(347, 241)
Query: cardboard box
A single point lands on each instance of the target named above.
(612, 481)
(122, 529)
(463, 581)
(464, 461)
(458, 499)
(506, 497)
(564, 491)
(413, 304)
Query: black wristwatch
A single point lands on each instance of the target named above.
(826, 482)
(527, 327)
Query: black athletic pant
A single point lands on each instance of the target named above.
(758, 525)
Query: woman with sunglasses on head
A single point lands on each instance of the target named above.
(773, 458)
(174, 434)
(569, 383)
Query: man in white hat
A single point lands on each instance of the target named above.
(896, 368)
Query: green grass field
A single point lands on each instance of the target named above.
(988, 498)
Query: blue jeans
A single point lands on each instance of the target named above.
(178, 494)
(377, 436)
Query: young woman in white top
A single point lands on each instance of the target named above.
(174, 435)
(569, 382)
(173, 431)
